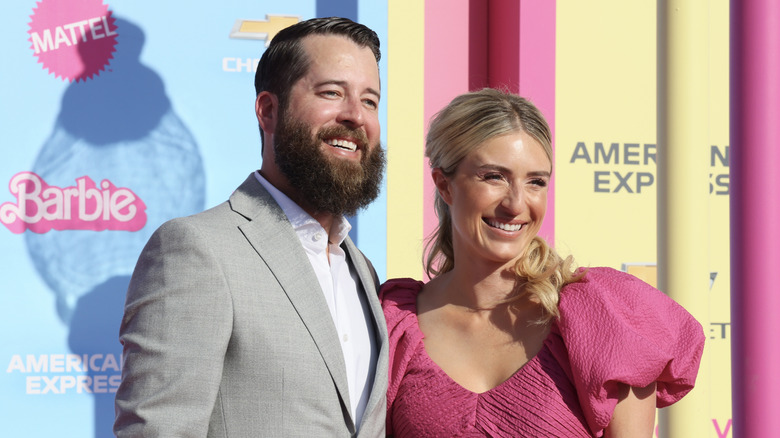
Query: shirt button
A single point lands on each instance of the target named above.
(345, 337)
(317, 237)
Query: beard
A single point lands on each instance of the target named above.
(328, 184)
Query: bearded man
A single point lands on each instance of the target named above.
(259, 317)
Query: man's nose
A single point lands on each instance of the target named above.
(351, 112)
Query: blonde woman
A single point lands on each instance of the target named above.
(507, 339)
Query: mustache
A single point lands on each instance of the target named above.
(359, 136)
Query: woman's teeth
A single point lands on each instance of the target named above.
(505, 227)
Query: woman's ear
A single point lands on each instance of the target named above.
(267, 111)
(442, 184)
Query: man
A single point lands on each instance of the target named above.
(260, 317)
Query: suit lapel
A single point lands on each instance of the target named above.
(271, 235)
(370, 282)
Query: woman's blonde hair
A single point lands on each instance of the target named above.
(464, 125)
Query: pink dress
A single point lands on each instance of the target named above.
(613, 328)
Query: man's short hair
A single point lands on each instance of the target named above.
(285, 62)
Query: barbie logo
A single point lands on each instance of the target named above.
(40, 207)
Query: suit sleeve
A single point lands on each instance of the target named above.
(175, 331)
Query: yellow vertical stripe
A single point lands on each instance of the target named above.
(683, 209)
(405, 126)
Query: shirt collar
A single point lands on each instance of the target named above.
(299, 219)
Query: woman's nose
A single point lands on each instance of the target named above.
(513, 201)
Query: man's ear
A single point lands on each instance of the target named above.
(267, 111)
(442, 184)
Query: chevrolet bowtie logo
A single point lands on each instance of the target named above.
(262, 30)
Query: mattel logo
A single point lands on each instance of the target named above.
(73, 39)
(66, 35)
(40, 207)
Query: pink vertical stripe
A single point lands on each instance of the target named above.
(448, 43)
(537, 77)
(504, 44)
(755, 216)
(498, 43)
(522, 59)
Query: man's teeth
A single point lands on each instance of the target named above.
(343, 144)
(505, 227)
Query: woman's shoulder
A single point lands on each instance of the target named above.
(399, 298)
(602, 285)
(601, 275)
(399, 303)
(401, 286)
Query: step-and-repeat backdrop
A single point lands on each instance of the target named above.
(116, 115)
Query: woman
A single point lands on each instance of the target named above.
(507, 339)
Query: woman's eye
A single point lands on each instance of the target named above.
(539, 182)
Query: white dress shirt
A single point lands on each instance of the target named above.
(343, 292)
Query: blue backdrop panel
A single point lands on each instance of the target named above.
(169, 122)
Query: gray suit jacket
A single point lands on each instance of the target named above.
(226, 332)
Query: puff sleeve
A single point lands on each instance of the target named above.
(618, 329)
(399, 303)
